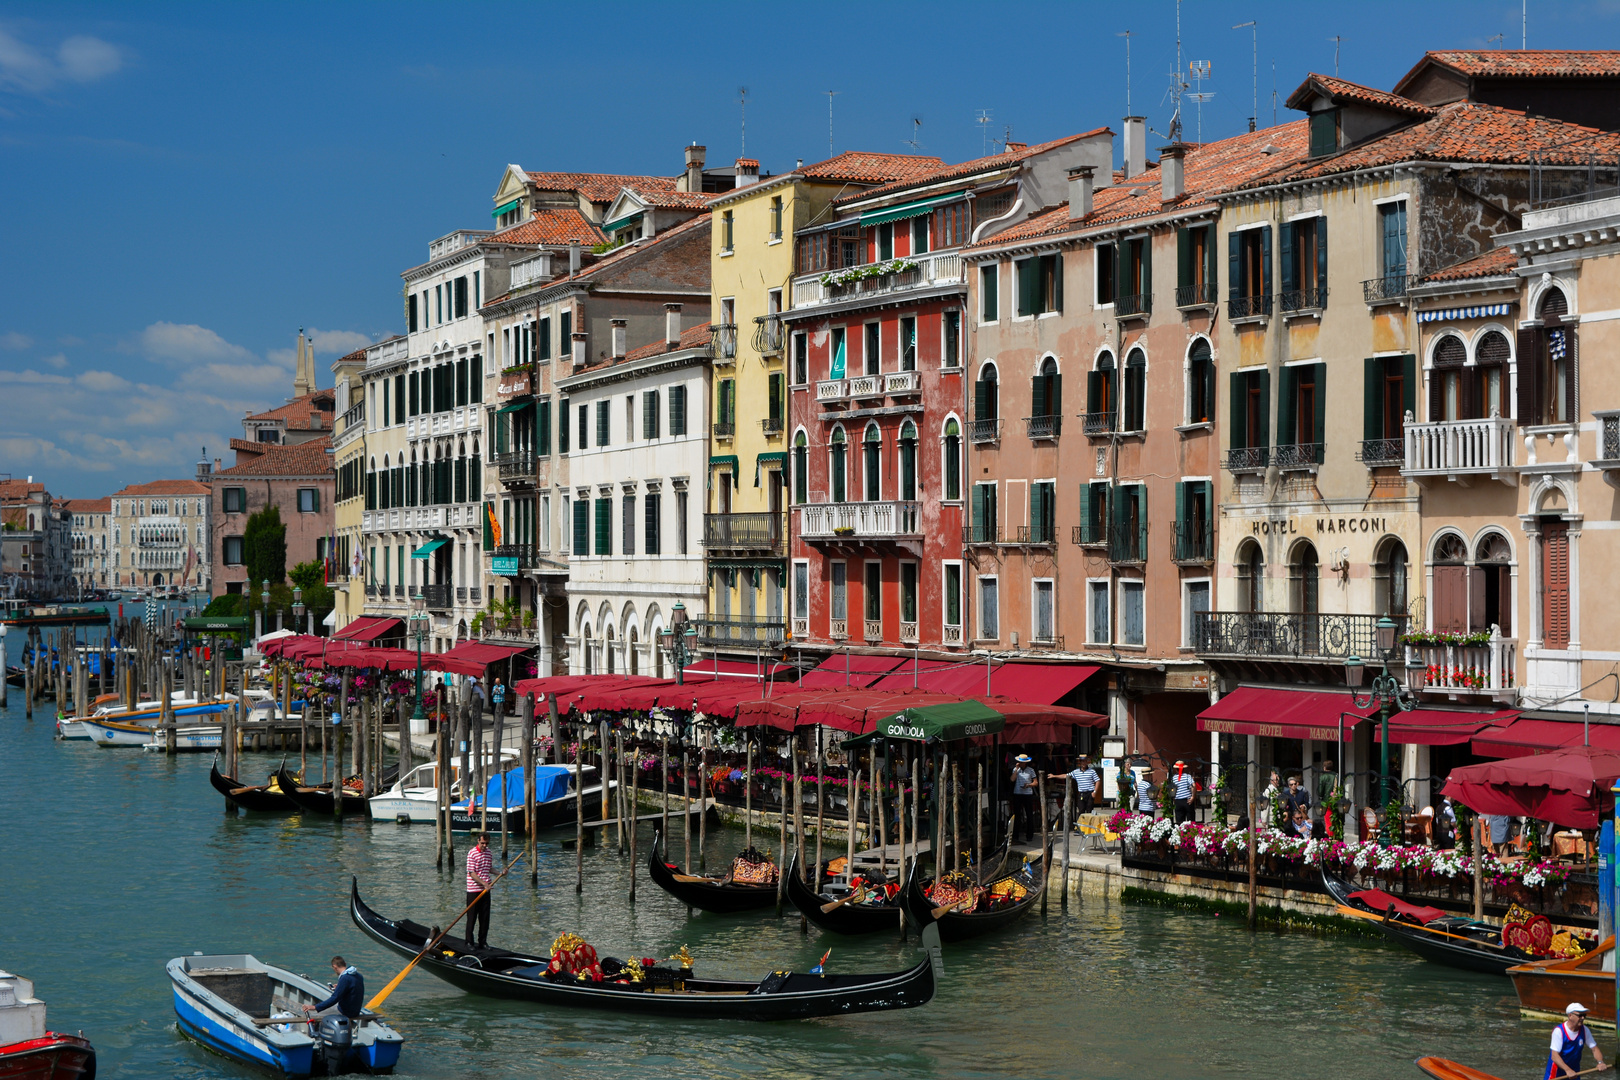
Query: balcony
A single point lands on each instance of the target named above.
(1194, 542)
(866, 386)
(1132, 306)
(771, 426)
(1298, 457)
(516, 467)
(801, 627)
(1461, 449)
(1376, 452)
(837, 629)
(981, 533)
(399, 592)
(1241, 459)
(1089, 534)
(742, 532)
(832, 390)
(1286, 635)
(984, 431)
(1190, 296)
(1043, 427)
(1608, 445)
(523, 553)
(1249, 307)
(860, 520)
(768, 335)
(1485, 669)
(1127, 543)
(1099, 423)
(1294, 301)
(874, 629)
(896, 275)
(529, 271)
(1037, 535)
(437, 596)
(723, 343)
(739, 630)
(724, 429)
(1389, 289)
(896, 383)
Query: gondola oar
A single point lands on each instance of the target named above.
(382, 995)
(836, 904)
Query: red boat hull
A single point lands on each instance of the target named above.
(54, 1057)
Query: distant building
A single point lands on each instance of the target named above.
(91, 523)
(160, 534)
(35, 542)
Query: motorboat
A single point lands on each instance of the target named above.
(415, 796)
(111, 733)
(554, 797)
(145, 713)
(30, 1051)
(1544, 986)
(239, 1006)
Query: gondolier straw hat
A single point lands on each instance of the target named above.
(1574, 1007)
(1022, 757)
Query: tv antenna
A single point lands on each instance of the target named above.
(1253, 26)
(1336, 38)
(916, 130)
(1200, 71)
(984, 121)
(1126, 34)
(830, 95)
(1498, 38)
(742, 99)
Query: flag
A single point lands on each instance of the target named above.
(494, 526)
(817, 970)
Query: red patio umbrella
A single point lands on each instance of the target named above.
(1567, 787)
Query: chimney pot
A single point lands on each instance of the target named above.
(1081, 182)
(672, 324)
(1172, 172)
(747, 172)
(694, 167)
(1014, 147)
(1135, 146)
(573, 256)
(619, 334)
(579, 348)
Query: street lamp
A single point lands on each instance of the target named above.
(298, 606)
(1385, 692)
(420, 628)
(680, 629)
(264, 606)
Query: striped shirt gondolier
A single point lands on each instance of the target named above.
(1144, 795)
(479, 861)
(1184, 786)
(1085, 780)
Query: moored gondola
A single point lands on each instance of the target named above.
(1008, 898)
(1446, 939)
(266, 798)
(318, 800)
(721, 895)
(867, 914)
(660, 991)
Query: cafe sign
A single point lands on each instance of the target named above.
(504, 565)
(515, 384)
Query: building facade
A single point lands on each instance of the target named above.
(36, 542)
(161, 534)
(345, 562)
(92, 553)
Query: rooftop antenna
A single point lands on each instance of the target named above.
(916, 130)
(1126, 34)
(1498, 38)
(830, 95)
(1176, 83)
(1336, 39)
(1274, 93)
(1254, 32)
(1200, 71)
(742, 99)
(984, 120)
(1524, 24)
(1006, 137)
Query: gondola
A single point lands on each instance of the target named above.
(1446, 939)
(854, 917)
(318, 800)
(720, 895)
(265, 798)
(781, 995)
(1030, 878)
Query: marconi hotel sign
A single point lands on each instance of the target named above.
(1323, 525)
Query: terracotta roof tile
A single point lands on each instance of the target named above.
(968, 168)
(102, 505)
(306, 459)
(861, 166)
(609, 261)
(358, 356)
(1338, 89)
(669, 199)
(163, 487)
(19, 489)
(1494, 263)
(1522, 63)
(549, 226)
(692, 337)
(295, 413)
(598, 187)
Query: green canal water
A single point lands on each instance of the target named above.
(115, 861)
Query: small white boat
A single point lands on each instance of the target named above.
(145, 712)
(189, 739)
(415, 795)
(117, 733)
(224, 1002)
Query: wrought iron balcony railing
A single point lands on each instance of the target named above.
(1194, 542)
(1089, 534)
(1099, 423)
(752, 531)
(768, 335)
(1303, 299)
(1297, 455)
(1133, 304)
(1384, 289)
(1382, 451)
(771, 425)
(515, 466)
(981, 533)
(1037, 535)
(723, 342)
(1194, 295)
(1043, 427)
(523, 553)
(1248, 458)
(436, 596)
(984, 431)
(739, 630)
(724, 429)
(1248, 307)
(1290, 635)
(1127, 542)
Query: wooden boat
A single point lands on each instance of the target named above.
(665, 993)
(318, 800)
(985, 915)
(865, 916)
(1445, 939)
(417, 795)
(30, 1051)
(707, 891)
(555, 802)
(1546, 986)
(1444, 1069)
(265, 798)
(223, 1001)
(199, 739)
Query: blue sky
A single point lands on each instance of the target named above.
(182, 186)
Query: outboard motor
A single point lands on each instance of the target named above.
(337, 1039)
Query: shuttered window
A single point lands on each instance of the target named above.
(582, 528)
(1554, 584)
(604, 526)
(652, 514)
(649, 414)
(677, 411)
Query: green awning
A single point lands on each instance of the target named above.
(770, 457)
(503, 208)
(430, 547)
(623, 223)
(948, 722)
(724, 459)
(896, 213)
(221, 623)
(514, 407)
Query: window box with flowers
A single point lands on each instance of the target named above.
(1479, 663)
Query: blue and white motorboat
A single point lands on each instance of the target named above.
(146, 713)
(122, 733)
(231, 1003)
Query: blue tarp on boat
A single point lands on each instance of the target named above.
(551, 782)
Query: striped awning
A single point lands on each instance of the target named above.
(1484, 311)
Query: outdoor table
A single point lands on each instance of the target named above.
(1572, 844)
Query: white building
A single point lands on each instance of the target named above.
(92, 553)
(160, 534)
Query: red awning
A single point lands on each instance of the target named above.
(472, 657)
(1526, 735)
(1438, 727)
(1285, 714)
(1039, 683)
(369, 628)
(1029, 723)
(722, 699)
(712, 669)
(855, 711)
(1567, 787)
(863, 671)
(553, 684)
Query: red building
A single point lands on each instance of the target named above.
(879, 334)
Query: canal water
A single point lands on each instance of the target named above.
(115, 861)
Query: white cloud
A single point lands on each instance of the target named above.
(78, 59)
(13, 340)
(335, 343)
(58, 361)
(104, 382)
(188, 343)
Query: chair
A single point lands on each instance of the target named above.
(1369, 822)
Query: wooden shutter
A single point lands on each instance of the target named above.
(1238, 385)
(1057, 281)
(1209, 390)
(1085, 512)
(1450, 600)
(1409, 386)
(1372, 398)
(978, 512)
(979, 400)
(1054, 396)
(1265, 260)
(1181, 518)
(1263, 379)
(1554, 585)
(1141, 522)
(1183, 258)
(1321, 257)
(562, 426)
(1037, 511)
(1319, 421)
(1572, 369)
(1145, 285)
(1029, 281)
(1287, 406)
(1289, 278)
(1234, 265)
(1504, 598)
(543, 429)
(1037, 403)
(1476, 597)
(1209, 259)
(604, 523)
(1528, 404)
(1094, 391)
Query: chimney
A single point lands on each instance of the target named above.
(579, 349)
(1081, 181)
(1135, 146)
(694, 167)
(747, 171)
(619, 333)
(573, 256)
(1172, 172)
(672, 325)
(1015, 147)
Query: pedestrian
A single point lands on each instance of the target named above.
(1024, 805)
(348, 994)
(1445, 826)
(1144, 792)
(1182, 788)
(1296, 798)
(1268, 797)
(1569, 1040)
(1085, 784)
(1501, 833)
(480, 864)
(1327, 780)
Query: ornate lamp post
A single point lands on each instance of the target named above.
(420, 627)
(264, 606)
(1385, 692)
(298, 606)
(680, 630)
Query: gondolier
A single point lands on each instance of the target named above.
(1144, 791)
(1085, 784)
(1182, 788)
(1024, 805)
(348, 996)
(480, 864)
(1569, 1039)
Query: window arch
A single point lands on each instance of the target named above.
(986, 404)
(908, 461)
(1134, 397)
(1448, 390)
(1305, 576)
(872, 463)
(801, 467)
(1391, 572)
(952, 453)
(1101, 395)
(1046, 392)
(1449, 596)
(1490, 585)
(1549, 379)
(1200, 382)
(1489, 381)
(837, 453)
(1251, 570)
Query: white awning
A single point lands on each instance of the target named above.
(1484, 311)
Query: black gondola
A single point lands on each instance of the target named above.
(318, 800)
(855, 917)
(961, 925)
(718, 894)
(1453, 940)
(266, 798)
(781, 995)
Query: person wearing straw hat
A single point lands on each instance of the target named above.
(1569, 1040)
(1024, 805)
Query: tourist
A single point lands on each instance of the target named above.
(1445, 826)
(348, 995)
(480, 863)
(1268, 797)
(1327, 780)
(1024, 808)
(1144, 792)
(1085, 785)
(1183, 787)
(1501, 826)
(1302, 823)
(1569, 1040)
(1295, 799)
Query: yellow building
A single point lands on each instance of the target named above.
(756, 367)
(348, 502)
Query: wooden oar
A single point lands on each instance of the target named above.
(1373, 916)
(1445, 1069)
(836, 904)
(946, 909)
(382, 995)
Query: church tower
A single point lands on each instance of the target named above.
(304, 375)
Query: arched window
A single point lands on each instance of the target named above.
(801, 469)
(1491, 588)
(1047, 392)
(872, 463)
(461, 472)
(1555, 386)
(635, 660)
(1251, 568)
(1489, 381)
(607, 649)
(1135, 391)
(1390, 579)
(1200, 383)
(837, 450)
(1306, 578)
(953, 459)
(1100, 396)
(1450, 593)
(1446, 380)
(908, 461)
(986, 405)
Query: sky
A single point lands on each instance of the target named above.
(183, 186)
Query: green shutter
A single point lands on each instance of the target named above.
(1094, 386)
(978, 512)
(1145, 286)
(582, 528)
(1141, 522)
(1265, 260)
(1183, 258)
(1321, 257)
(1054, 396)
(980, 401)
(1210, 260)
(543, 429)
(1029, 283)
(1085, 512)
(1037, 403)
(489, 534)
(1209, 388)
(1287, 405)
(1181, 501)
(776, 397)
(1263, 377)
(1319, 421)
(1287, 251)
(562, 425)
(1234, 265)
(1372, 398)
(604, 525)
(677, 410)
(1057, 281)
